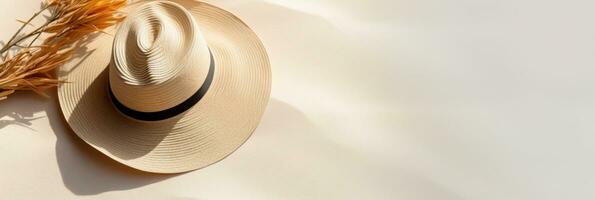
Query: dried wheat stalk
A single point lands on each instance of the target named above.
(69, 21)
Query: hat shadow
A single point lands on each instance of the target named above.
(86, 171)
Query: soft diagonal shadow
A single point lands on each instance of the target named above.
(290, 145)
(85, 171)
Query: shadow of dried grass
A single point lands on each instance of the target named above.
(21, 109)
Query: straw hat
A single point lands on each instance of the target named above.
(178, 85)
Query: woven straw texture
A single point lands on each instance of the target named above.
(211, 130)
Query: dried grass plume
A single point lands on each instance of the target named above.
(28, 64)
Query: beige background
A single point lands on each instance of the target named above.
(384, 99)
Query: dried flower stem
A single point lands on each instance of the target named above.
(70, 21)
(10, 43)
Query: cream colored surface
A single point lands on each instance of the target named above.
(426, 99)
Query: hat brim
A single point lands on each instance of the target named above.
(210, 131)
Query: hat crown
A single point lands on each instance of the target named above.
(159, 58)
